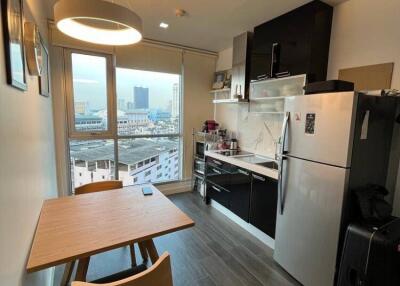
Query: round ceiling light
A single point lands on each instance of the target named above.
(98, 22)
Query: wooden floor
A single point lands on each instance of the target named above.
(214, 252)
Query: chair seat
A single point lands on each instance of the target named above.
(158, 274)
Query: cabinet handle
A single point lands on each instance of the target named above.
(243, 172)
(215, 188)
(216, 162)
(258, 178)
(216, 171)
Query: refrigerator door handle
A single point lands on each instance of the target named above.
(282, 157)
(280, 185)
(284, 132)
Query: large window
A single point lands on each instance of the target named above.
(129, 131)
(148, 102)
(148, 120)
(91, 161)
(89, 77)
(148, 160)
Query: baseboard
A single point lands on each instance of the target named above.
(175, 187)
(264, 238)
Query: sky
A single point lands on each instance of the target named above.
(89, 80)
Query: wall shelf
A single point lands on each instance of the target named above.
(224, 96)
(268, 112)
(268, 98)
(223, 90)
(230, 100)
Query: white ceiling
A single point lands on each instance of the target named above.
(209, 24)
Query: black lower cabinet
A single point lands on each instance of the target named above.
(218, 194)
(264, 199)
(240, 187)
(218, 173)
(250, 196)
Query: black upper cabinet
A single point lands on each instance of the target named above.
(303, 36)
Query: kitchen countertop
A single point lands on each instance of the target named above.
(245, 165)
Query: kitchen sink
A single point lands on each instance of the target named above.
(270, 164)
(258, 160)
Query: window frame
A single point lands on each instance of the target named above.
(112, 119)
(74, 134)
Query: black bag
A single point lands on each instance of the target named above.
(371, 203)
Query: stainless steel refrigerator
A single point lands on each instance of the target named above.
(330, 143)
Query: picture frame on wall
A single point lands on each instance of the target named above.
(13, 31)
(219, 79)
(44, 80)
(228, 79)
(33, 50)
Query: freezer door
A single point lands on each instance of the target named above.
(307, 232)
(321, 127)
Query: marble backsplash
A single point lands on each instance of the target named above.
(259, 132)
(256, 132)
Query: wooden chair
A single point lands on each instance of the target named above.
(84, 263)
(98, 187)
(159, 274)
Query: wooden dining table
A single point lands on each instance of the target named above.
(76, 227)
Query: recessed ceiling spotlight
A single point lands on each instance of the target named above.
(164, 25)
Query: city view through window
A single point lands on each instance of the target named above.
(147, 103)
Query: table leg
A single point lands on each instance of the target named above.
(152, 250)
(82, 269)
(69, 267)
(143, 251)
(133, 255)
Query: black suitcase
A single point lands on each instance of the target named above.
(371, 256)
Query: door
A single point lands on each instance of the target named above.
(264, 198)
(307, 231)
(321, 127)
(240, 187)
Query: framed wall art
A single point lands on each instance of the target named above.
(44, 80)
(12, 17)
(219, 79)
(33, 49)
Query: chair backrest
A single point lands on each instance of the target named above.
(98, 187)
(159, 274)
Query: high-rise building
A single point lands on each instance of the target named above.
(121, 104)
(141, 97)
(81, 107)
(175, 101)
(130, 105)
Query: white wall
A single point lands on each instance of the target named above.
(27, 170)
(365, 32)
(226, 114)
